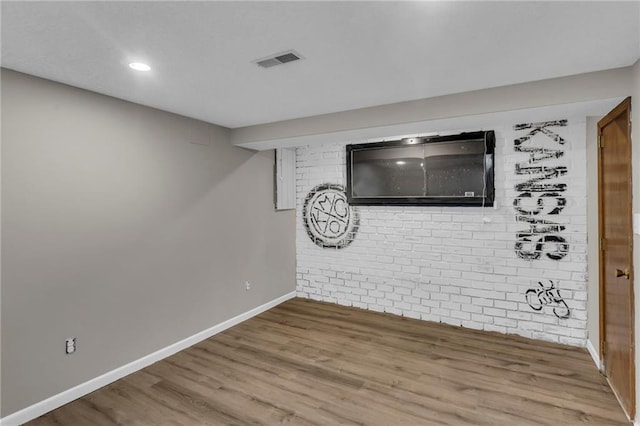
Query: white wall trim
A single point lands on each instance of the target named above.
(594, 355)
(51, 403)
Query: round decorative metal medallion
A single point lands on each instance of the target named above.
(329, 219)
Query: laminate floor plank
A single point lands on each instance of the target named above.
(493, 366)
(328, 394)
(405, 331)
(312, 363)
(466, 380)
(406, 328)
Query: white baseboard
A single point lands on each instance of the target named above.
(594, 354)
(51, 403)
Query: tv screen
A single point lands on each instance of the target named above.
(436, 170)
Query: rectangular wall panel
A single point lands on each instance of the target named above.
(285, 177)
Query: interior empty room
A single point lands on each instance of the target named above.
(319, 212)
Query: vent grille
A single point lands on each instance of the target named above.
(268, 63)
(279, 59)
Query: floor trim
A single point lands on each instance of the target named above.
(51, 403)
(594, 355)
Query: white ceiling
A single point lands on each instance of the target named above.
(358, 54)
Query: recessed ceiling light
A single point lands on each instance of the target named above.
(139, 66)
(401, 163)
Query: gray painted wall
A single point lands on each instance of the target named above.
(126, 227)
(564, 90)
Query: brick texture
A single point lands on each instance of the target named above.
(447, 264)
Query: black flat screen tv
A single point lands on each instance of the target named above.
(452, 170)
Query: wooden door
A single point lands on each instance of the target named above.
(616, 257)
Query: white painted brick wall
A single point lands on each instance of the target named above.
(445, 264)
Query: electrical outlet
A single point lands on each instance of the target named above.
(70, 345)
(247, 285)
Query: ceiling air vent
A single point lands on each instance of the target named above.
(279, 59)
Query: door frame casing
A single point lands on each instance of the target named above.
(626, 103)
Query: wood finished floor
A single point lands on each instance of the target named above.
(311, 363)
